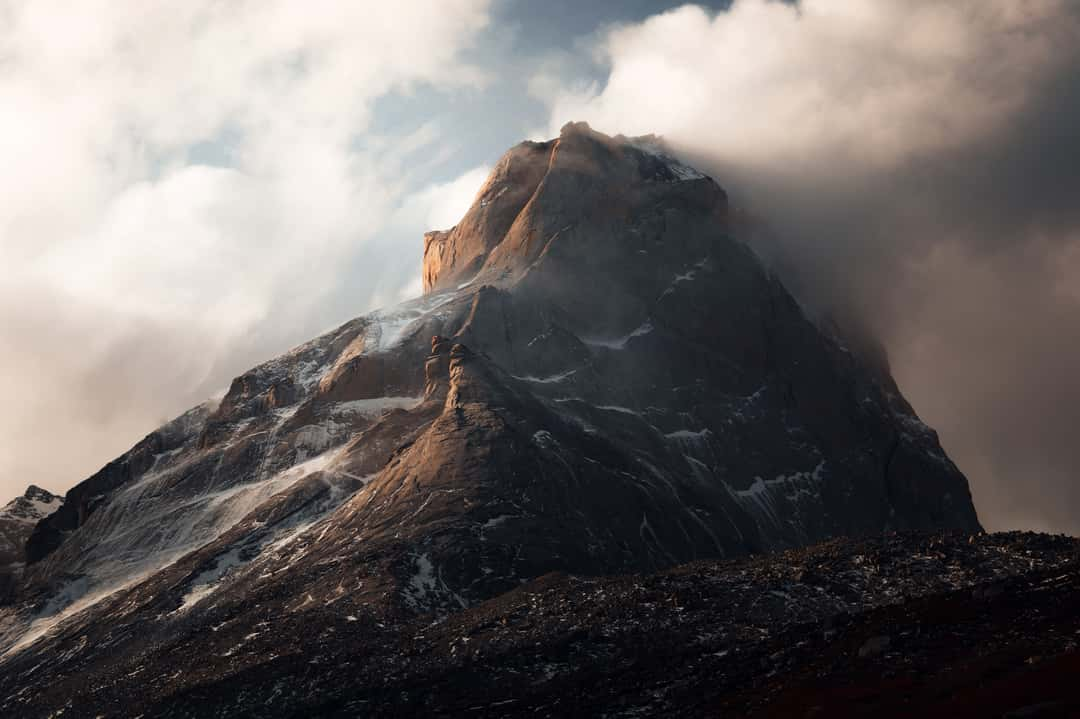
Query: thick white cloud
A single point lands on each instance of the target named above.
(185, 186)
(439, 207)
(869, 80)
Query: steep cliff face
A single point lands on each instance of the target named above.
(451, 255)
(600, 378)
(619, 283)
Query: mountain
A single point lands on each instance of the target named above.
(601, 378)
(17, 520)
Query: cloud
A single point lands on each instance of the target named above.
(875, 82)
(918, 164)
(441, 205)
(187, 190)
(437, 206)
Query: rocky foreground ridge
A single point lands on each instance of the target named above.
(910, 624)
(600, 379)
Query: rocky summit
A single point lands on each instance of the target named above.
(600, 379)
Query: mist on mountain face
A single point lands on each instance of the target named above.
(917, 166)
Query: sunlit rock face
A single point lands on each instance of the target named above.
(456, 254)
(600, 378)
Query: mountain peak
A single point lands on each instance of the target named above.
(34, 504)
(600, 378)
(538, 191)
(35, 492)
(18, 518)
(579, 126)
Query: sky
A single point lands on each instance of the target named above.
(191, 188)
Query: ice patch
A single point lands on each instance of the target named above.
(547, 380)
(615, 408)
(309, 373)
(424, 580)
(389, 327)
(620, 343)
(687, 435)
(769, 500)
(69, 601)
(207, 582)
(495, 522)
(426, 586)
(364, 480)
(488, 200)
(692, 444)
(312, 438)
(376, 405)
(160, 540)
(204, 584)
(688, 276)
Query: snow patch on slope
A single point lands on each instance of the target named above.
(377, 405)
(137, 551)
(208, 581)
(391, 326)
(30, 510)
(184, 501)
(780, 505)
(547, 380)
(426, 589)
(620, 343)
(689, 276)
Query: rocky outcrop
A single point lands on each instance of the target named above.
(601, 378)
